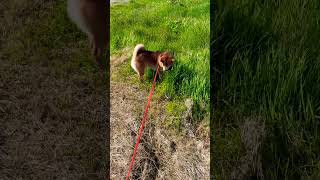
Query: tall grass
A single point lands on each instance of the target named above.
(268, 65)
(182, 27)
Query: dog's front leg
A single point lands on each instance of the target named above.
(160, 74)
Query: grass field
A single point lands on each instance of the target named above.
(176, 137)
(267, 81)
(177, 26)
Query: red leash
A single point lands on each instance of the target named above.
(142, 124)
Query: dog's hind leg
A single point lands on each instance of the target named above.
(141, 68)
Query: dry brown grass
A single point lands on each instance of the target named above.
(252, 136)
(52, 115)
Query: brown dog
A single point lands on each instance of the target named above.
(142, 58)
(91, 17)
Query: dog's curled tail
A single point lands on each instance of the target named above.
(136, 50)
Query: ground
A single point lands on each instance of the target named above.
(53, 106)
(162, 153)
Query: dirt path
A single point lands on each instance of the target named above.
(123, 125)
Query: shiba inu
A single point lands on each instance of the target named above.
(91, 17)
(142, 58)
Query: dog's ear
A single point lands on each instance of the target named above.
(161, 58)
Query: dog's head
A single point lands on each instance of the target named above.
(165, 61)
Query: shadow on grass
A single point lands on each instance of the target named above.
(234, 34)
(174, 83)
(268, 74)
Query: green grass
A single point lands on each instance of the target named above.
(181, 27)
(267, 64)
